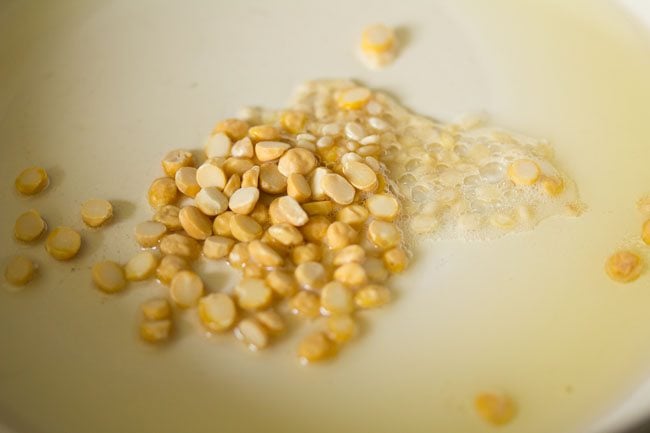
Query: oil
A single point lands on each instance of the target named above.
(532, 313)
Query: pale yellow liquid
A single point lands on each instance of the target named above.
(532, 314)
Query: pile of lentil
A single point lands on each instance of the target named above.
(297, 200)
(302, 202)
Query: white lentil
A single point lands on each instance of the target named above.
(244, 200)
(210, 174)
(243, 148)
(186, 289)
(29, 226)
(195, 223)
(337, 188)
(96, 212)
(211, 201)
(108, 276)
(141, 266)
(63, 243)
(218, 145)
(217, 312)
(20, 270)
(253, 294)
